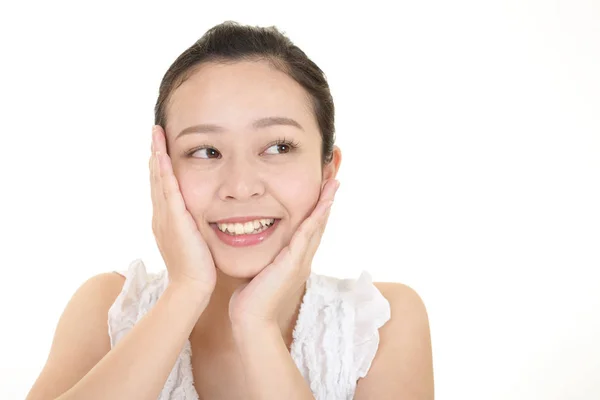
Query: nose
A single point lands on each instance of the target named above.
(241, 181)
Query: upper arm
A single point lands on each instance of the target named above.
(81, 338)
(403, 365)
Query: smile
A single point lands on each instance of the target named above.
(246, 228)
(243, 232)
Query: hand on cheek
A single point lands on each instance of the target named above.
(258, 302)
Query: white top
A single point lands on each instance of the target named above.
(334, 341)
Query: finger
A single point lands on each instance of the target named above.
(155, 184)
(169, 185)
(313, 227)
(325, 200)
(163, 168)
(156, 194)
(152, 140)
(153, 180)
(315, 239)
(329, 190)
(160, 139)
(321, 218)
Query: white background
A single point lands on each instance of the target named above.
(471, 140)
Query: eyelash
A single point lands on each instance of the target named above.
(283, 141)
(293, 145)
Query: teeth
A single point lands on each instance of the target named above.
(239, 229)
(246, 228)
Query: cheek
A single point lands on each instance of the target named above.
(196, 192)
(299, 192)
(297, 188)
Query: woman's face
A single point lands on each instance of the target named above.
(246, 151)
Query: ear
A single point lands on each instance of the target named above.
(331, 169)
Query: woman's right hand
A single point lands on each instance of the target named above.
(183, 249)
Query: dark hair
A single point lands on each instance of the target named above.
(231, 41)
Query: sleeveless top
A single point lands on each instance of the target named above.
(334, 341)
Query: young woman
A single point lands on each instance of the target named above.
(243, 169)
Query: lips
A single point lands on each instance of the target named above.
(252, 232)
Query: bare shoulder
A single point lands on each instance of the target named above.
(409, 322)
(395, 289)
(403, 365)
(107, 285)
(403, 299)
(102, 287)
(81, 336)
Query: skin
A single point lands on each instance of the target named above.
(244, 174)
(243, 182)
(240, 329)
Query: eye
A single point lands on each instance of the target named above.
(281, 146)
(278, 149)
(205, 152)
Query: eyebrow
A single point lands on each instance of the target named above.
(259, 123)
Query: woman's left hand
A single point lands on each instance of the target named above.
(260, 300)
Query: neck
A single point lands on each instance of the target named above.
(214, 327)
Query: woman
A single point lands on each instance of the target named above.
(243, 171)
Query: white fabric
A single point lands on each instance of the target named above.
(334, 341)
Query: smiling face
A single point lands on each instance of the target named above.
(246, 151)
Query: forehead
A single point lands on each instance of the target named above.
(234, 95)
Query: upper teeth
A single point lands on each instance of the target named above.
(247, 227)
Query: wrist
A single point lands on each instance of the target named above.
(195, 294)
(247, 331)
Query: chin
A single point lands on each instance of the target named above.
(242, 266)
(244, 257)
